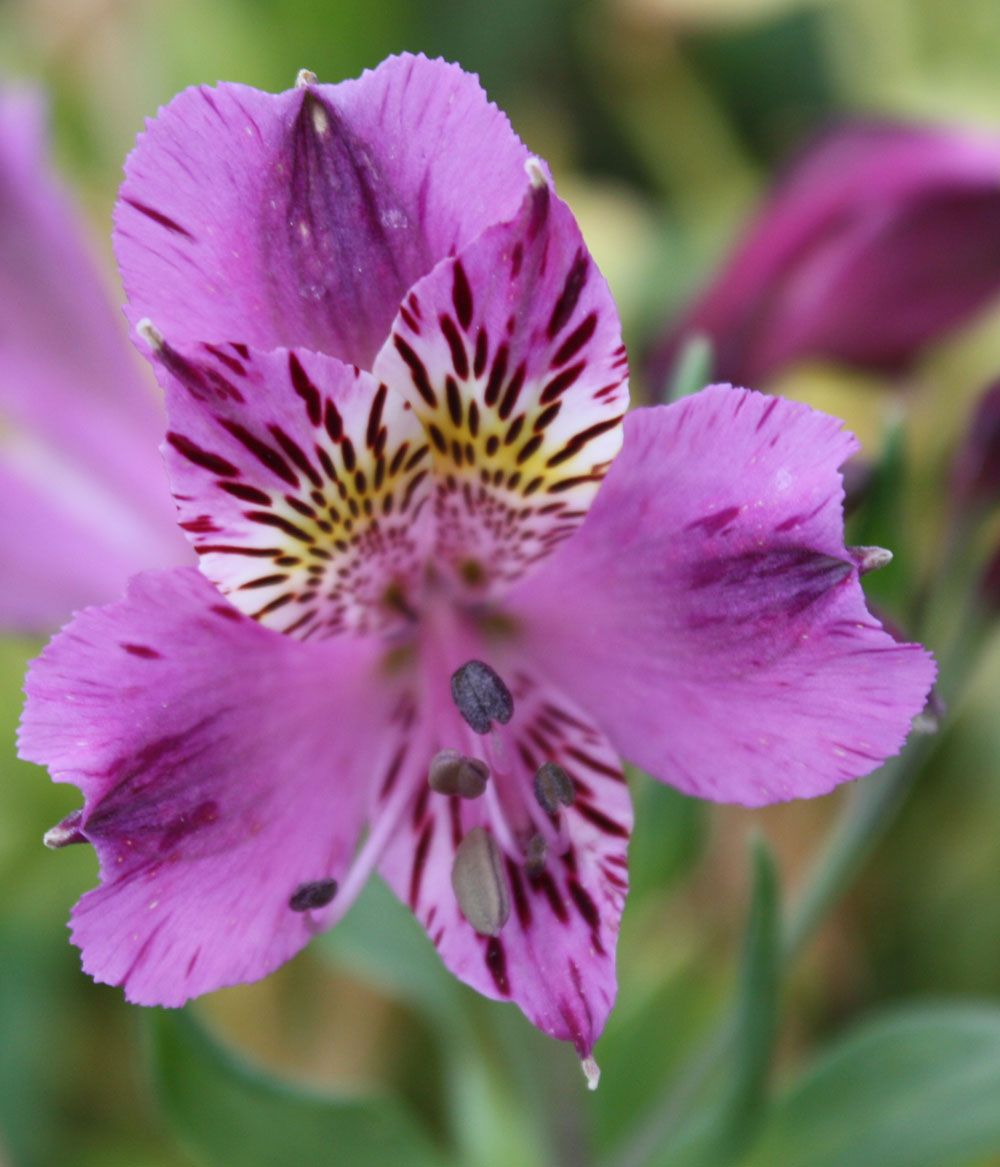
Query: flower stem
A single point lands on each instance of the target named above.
(870, 810)
(868, 814)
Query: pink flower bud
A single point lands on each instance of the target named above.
(878, 240)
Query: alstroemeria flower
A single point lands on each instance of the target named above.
(879, 240)
(85, 503)
(446, 583)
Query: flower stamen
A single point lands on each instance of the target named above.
(553, 787)
(480, 885)
(481, 696)
(536, 855)
(453, 773)
(315, 894)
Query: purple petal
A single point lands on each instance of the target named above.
(880, 238)
(511, 355)
(63, 542)
(85, 495)
(975, 470)
(708, 615)
(554, 954)
(302, 484)
(223, 767)
(324, 204)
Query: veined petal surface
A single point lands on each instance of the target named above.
(708, 616)
(302, 484)
(301, 219)
(555, 953)
(223, 766)
(511, 355)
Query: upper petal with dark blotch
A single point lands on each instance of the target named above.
(302, 484)
(554, 954)
(511, 355)
(222, 766)
(301, 219)
(708, 616)
(85, 503)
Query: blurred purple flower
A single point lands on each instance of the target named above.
(84, 497)
(976, 466)
(879, 239)
(395, 383)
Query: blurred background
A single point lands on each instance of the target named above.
(665, 122)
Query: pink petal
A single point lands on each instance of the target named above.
(222, 766)
(64, 542)
(301, 219)
(85, 494)
(555, 954)
(302, 483)
(511, 355)
(708, 615)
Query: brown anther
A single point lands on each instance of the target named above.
(453, 773)
(536, 855)
(553, 786)
(480, 885)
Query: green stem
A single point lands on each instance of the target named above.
(861, 825)
(870, 810)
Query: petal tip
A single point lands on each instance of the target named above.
(150, 334)
(536, 172)
(591, 1071)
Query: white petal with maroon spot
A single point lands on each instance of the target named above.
(511, 355)
(555, 955)
(302, 484)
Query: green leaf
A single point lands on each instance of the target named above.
(720, 1132)
(881, 519)
(380, 940)
(234, 1113)
(670, 833)
(920, 1087)
(756, 1022)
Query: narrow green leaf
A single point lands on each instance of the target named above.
(920, 1086)
(670, 833)
(756, 1018)
(234, 1113)
(721, 1131)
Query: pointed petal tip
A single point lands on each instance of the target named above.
(928, 720)
(150, 334)
(536, 172)
(868, 559)
(65, 833)
(591, 1071)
